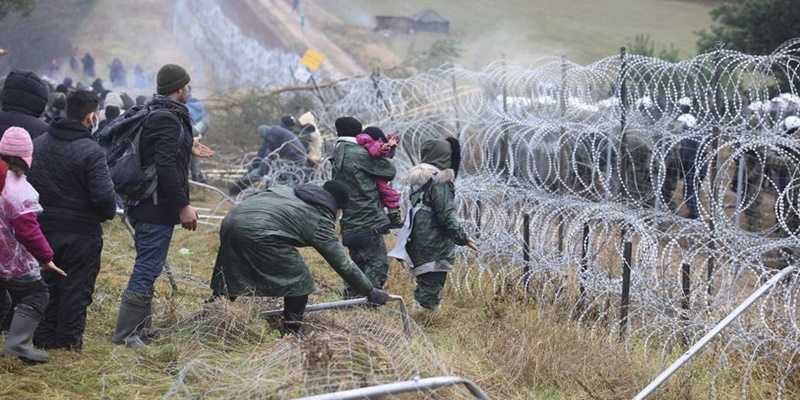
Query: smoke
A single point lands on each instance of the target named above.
(233, 58)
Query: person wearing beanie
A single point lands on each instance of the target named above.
(167, 144)
(24, 98)
(429, 246)
(379, 146)
(71, 174)
(258, 247)
(24, 252)
(365, 222)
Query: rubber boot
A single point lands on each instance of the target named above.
(19, 341)
(132, 318)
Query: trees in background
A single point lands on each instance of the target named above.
(752, 26)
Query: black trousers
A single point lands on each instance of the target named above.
(65, 319)
(14, 293)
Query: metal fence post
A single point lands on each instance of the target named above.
(526, 246)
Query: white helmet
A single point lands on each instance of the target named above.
(791, 122)
(688, 120)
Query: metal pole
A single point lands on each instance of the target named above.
(456, 105)
(526, 246)
(740, 187)
(351, 303)
(627, 253)
(380, 391)
(689, 354)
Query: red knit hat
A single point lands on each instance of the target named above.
(16, 142)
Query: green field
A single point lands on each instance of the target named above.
(525, 30)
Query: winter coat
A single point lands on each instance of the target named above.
(24, 98)
(166, 141)
(436, 229)
(354, 167)
(22, 244)
(259, 237)
(71, 175)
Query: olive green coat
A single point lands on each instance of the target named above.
(436, 229)
(354, 167)
(258, 242)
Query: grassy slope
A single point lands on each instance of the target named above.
(503, 345)
(524, 30)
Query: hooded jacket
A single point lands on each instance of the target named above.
(259, 237)
(24, 98)
(354, 167)
(166, 141)
(436, 229)
(71, 175)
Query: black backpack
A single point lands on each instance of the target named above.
(120, 139)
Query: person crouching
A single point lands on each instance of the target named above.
(258, 248)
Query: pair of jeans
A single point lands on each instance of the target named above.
(32, 293)
(152, 244)
(65, 319)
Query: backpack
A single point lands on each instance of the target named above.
(120, 139)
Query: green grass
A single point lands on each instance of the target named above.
(525, 30)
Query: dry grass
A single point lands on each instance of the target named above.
(505, 345)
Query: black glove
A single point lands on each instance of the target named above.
(378, 296)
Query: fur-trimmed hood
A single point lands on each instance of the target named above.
(422, 173)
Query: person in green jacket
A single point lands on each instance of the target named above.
(258, 248)
(365, 221)
(435, 228)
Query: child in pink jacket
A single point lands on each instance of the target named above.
(379, 146)
(24, 251)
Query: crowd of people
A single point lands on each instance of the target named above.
(67, 166)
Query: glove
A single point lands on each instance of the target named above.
(378, 296)
(395, 218)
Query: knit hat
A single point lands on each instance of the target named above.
(24, 92)
(16, 142)
(170, 78)
(375, 133)
(348, 127)
(339, 191)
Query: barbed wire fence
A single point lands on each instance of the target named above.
(642, 198)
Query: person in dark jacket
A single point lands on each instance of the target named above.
(280, 145)
(117, 73)
(71, 175)
(434, 230)
(365, 222)
(24, 98)
(258, 247)
(88, 65)
(166, 141)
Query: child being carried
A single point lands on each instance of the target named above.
(378, 145)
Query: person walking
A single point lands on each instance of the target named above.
(166, 142)
(71, 175)
(365, 221)
(435, 230)
(24, 251)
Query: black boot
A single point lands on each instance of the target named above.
(132, 319)
(19, 341)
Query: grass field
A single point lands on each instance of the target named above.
(524, 30)
(501, 343)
